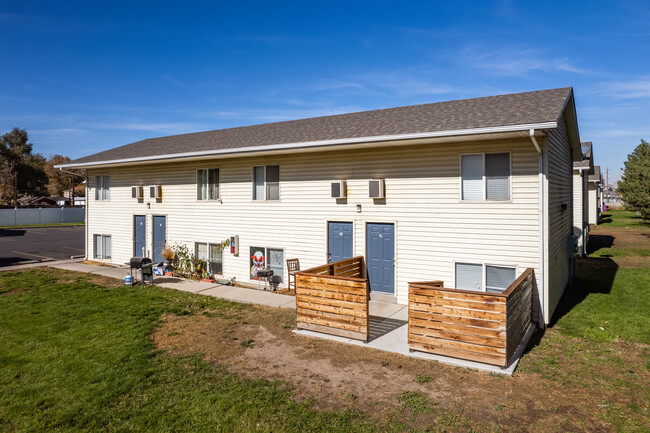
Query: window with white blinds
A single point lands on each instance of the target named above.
(497, 176)
(485, 176)
(472, 175)
(498, 278)
(469, 276)
(484, 278)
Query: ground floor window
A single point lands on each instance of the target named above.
(212, 255)
(266, 258)
(101, 246)
(484, 278)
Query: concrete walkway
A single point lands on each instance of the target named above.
(388, 320)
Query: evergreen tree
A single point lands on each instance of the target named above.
(634, 185)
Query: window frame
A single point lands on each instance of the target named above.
(484, 198)
(207, 190)
(101, 193)
(266, 183)
(266, 260)
(207, 255)
(102, 238)
(484, 266)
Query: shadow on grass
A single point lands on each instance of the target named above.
(597, 242)
(595, 275)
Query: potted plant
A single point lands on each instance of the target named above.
(167, 254)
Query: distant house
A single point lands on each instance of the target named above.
(60, 201)
(471, 192)
(595, 195)
(37, 201)
(581, 171)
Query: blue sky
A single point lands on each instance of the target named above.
(84, 76)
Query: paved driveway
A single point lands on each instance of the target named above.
(27, 245)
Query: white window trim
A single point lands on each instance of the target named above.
(265, 184)
(266, 254)
(101, 189)
(196, 177)
(208, 244)
(484, 182)
(484, 272)
(101, 246)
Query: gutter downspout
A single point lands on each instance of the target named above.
(540, 160)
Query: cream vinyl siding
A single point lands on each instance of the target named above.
(433, 228)
(579, 212)
(593, 203)
(560, 192)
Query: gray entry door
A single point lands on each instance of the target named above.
(339, 240)
(380, 244)
(159, 237)
(139, 235)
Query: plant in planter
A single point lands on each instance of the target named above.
(167, 254)
(184, 263)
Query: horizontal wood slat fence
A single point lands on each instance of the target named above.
(333, 299)
(478, 326)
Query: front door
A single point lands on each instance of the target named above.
(380, 243)
(139, 235)
(339, 241)
(159, 237)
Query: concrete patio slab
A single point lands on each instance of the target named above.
(383, 309)
(251, 296)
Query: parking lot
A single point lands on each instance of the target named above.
(28, 245)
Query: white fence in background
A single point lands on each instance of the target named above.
(15, 217)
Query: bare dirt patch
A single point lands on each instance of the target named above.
(258, 343)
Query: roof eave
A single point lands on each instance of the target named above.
(313, 145)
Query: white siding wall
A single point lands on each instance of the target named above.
(433, 228)
(593, 203)
(560, 216)
(579, 210)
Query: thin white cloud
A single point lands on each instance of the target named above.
(159, 127)
(632, 89)
(516, 61)
(395, 83)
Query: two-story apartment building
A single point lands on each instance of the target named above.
(471, 192)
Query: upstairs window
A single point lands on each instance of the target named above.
(102, 187)
(207, 184)
(266, 182)
(485, 177)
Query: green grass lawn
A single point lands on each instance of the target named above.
(623, 218)
(77, 356)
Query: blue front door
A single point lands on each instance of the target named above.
(159, 237)
(139, 235)
(381, 257)
(340, 241)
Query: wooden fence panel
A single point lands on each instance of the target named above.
(478, 326)
(331, 303)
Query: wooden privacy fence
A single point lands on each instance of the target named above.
(478, 326)
(333, 299)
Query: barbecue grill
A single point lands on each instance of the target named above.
(266, 274)
(144, 265)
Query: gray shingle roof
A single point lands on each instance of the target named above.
(596, 176)
(492, 111)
